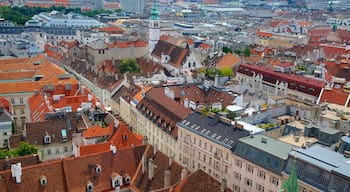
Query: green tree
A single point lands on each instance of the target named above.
(26, 149)
(227, 71)
(247, 52)
(129, 65)
(226, 49)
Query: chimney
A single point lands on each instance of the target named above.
(16, 170)
(223, 184)
(170, 160)
(117, 188)
(183, 173)
(113, 149)
(151, 169)
(144, 163)
(155, 149)
(167, 178)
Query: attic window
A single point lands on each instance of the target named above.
(47, 139)
(43, 180)
(98, 169)
(89, 186)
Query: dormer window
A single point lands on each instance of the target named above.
(127, 179)
(89, 186)
(116, 180)
(43, 180)
(47, 139)
(98, 169)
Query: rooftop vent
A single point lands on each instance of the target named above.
(36, 63)
(263, 140)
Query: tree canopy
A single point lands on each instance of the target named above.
(24, 149)
(20, 15)
(129, 65)
(227, 71)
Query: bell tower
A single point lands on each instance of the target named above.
(154, 29)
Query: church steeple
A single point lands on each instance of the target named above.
(154, 29)
(154, 11)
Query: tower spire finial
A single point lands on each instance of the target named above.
(154, 11)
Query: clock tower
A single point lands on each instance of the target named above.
(154, 29)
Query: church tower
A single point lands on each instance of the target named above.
(154, 29)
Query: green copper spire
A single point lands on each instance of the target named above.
(291, 184)
(154, 12)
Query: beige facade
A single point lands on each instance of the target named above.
(21, 113)
(248, 176)
(196, 152)
(97, 55)
(156, 136)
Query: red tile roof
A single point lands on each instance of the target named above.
(97, 131)
(228, 60)
(336, 96)
(72, 174)
(112, 30)
(203, 182)
(122, 138)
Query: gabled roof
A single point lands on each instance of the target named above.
(53, 127)
(124, 161)
(97, 131)
(122, 138)
(336, 96)
(177, 54)
(198, 181)
(72, 174)
(161, 162)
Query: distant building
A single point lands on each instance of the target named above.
(267, 80)
(71, 20)
(133, 6)
(320, 169)
(5, 127)
(22, 78)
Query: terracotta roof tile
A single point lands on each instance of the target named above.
(97, 131)
(336, 96)
(228, 60)
(161, 161)
(199, 181)
(72, 174)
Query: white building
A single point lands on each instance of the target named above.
(154, 30)
(71, 20)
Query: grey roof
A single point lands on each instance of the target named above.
(346, 139)
(324, 159)
(213, 129)
(4, 117)
(48, 30)
(264, 151)
(272, 146)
